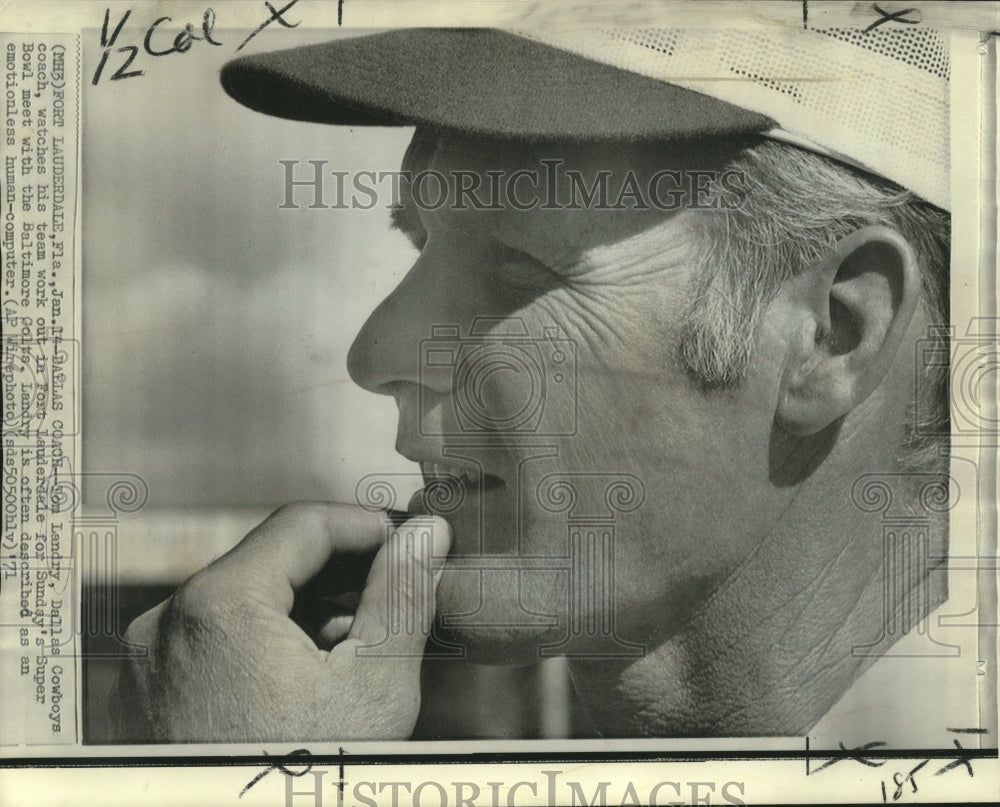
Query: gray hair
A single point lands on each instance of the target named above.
(797, 206)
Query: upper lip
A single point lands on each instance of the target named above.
(435, 461)
(428, 451)
(467, 473)
(440, 462)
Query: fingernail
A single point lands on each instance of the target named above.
(416, 504)
(439, 532)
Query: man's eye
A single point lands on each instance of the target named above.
(522, 269)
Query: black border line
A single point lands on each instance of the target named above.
(492, 758)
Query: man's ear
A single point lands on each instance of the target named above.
(850, 312)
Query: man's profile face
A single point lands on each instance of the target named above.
(533, 351)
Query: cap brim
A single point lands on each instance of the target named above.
(477, 81)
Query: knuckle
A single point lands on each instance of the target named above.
(301, 509)
(288, 509)
(139, 626)
(301, 514)
(136, 633)
(198, 599)
(143, 631)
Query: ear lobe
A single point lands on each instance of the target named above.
(849, 322)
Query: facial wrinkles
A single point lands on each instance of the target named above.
(556, 236)
(626, 294)
(644, 257)
(605, 277)
(616, 293)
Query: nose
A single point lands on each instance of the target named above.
(380, 353)
(448, 286)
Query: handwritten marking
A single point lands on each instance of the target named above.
(182, 42)
(856, 755)
(962, 760)
(899, 782)
(186, 38)
(281, 766)
(895, 16)
(108, 42)
(898, 778)
(341, 781)
(276, 16)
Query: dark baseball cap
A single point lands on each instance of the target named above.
(820, 89)
(476, 81)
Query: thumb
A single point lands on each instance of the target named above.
(396, 612)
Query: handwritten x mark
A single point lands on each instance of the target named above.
(282, 766)
(276, 16)
(856, 754)
(895, 16)
(959, 761)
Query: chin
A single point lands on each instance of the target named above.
(491, 624)
(496, 647)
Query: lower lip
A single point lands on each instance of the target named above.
(448, 495)
(479, 514)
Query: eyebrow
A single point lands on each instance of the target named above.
(404, 216)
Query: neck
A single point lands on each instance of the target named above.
(771, 650)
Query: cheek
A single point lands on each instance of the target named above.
(698, 463)
(632, 446)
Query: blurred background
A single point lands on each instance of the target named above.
(215, 337)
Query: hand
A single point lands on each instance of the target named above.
(226, 662)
